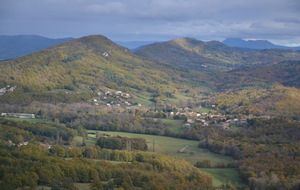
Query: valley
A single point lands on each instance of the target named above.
(181, 114)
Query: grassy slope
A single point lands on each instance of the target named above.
(221, 176)
(174, 125)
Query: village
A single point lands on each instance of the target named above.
(111, 99)
(121, 99)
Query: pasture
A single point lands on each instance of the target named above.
(223, 176)
(179, 148)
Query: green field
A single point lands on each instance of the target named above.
(143, 98)
(82, 186)
(223, 175)
(170, 146)
(175, 126)
(190, 152)
(90, 141)
(202, 110)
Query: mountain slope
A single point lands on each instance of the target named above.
(16, 46)
(90, 63)
(285, 73)
(274, 100)
(211, 56)
(191, 53)
(254, 44)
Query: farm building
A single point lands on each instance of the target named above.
(18, 115)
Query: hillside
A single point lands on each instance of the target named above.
(275, 100)
(16, 46)
(286, 73)
(81, 67)
(192, 54)
(211, 56)
(263, 89)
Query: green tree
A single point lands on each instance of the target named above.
(57, 150)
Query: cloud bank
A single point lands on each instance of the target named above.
(275, 20)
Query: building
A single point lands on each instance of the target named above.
(18, 115)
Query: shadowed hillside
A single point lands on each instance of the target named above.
(211, 56)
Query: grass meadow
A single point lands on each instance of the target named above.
(170, 146)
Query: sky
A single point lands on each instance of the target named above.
(154, 20)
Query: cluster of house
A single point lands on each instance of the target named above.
(18, 115)
(26, 142)
(7, 89)
(209, 119)
(23, 143)
(110, 99)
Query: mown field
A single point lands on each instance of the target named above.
(223, 176)
(179, 148)
(175, 126)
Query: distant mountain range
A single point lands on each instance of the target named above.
(134, 45)
(17, 46)
(254, 44)
(213, 56)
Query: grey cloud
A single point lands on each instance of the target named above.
(212, 19)
(107, 8)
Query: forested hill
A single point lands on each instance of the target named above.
(77, 70)
(211, 56)
(87, 64)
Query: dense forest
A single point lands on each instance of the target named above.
(62, 165)
(122, 143)
(268, 152)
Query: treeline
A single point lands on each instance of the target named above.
(26, 95)
(31, 165)
(122, 143)
(17, 132)
(268, 151)
(78, 115)
(92, 117)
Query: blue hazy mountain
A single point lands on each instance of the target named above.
(16, 46)
(134, 45)
(254, 44)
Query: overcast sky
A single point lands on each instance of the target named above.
(154, 20)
